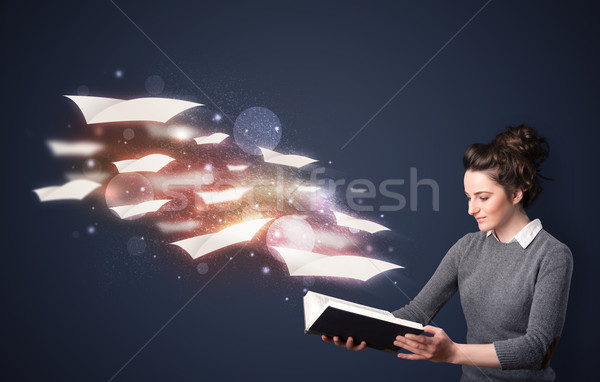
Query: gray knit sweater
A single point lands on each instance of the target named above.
(513, 297)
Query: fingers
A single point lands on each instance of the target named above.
(416, 341)
(420, 345)
(411, 357)
(414, 347)
(348, 344)
(338, 342)
(438, 348)
(432, 330)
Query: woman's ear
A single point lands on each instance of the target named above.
(517, 196)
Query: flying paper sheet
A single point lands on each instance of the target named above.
(75, 189)
(231, 194)
(96, 176)
(171, 227)
(357, 190)
(201, 245)
(150, 163)
(286, 160)
(364, 225)
(305, 263)
(180, 132)
(125, 212)
(104, 110)
(308, 188)
(62, 148)
(238, 167)
(213, 138)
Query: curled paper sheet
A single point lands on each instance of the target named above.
(308, 188)
(284, 159)
(104, 110)
(352, 222)
(150, 163)
(172, 227)
(237, 167)
(229, 195)
(305, 263)
(357, 190)
(75, 189)
(63, 148)
(125, 212)
(213, 138)
(202, 245)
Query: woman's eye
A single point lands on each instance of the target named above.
(484, 198)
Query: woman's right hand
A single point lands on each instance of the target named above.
(349, 344)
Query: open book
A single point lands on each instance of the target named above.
(336, 317)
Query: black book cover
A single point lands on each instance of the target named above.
(378, 334)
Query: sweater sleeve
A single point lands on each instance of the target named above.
(534, 349)
(438, 290)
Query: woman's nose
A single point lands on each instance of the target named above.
(472, 208)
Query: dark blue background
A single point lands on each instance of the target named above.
(79, 309)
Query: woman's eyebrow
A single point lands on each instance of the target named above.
(480, 192)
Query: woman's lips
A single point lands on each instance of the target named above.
(479, 220)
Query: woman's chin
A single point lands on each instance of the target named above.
(483, 227)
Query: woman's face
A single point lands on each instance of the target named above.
(488, 203)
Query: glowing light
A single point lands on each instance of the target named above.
(181, 132)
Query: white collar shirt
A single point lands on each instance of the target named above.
(526, 235)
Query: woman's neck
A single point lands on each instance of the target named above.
(512, 227)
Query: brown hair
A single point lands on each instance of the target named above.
(512, 159)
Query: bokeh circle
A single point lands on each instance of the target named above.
(257, 127)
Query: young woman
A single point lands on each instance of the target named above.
(513, 277)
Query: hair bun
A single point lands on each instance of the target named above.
(523, 140)
(514, 158)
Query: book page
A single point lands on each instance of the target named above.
(360, 306)
(316, 303)
(374, 313)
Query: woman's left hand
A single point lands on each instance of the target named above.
(439, 348)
